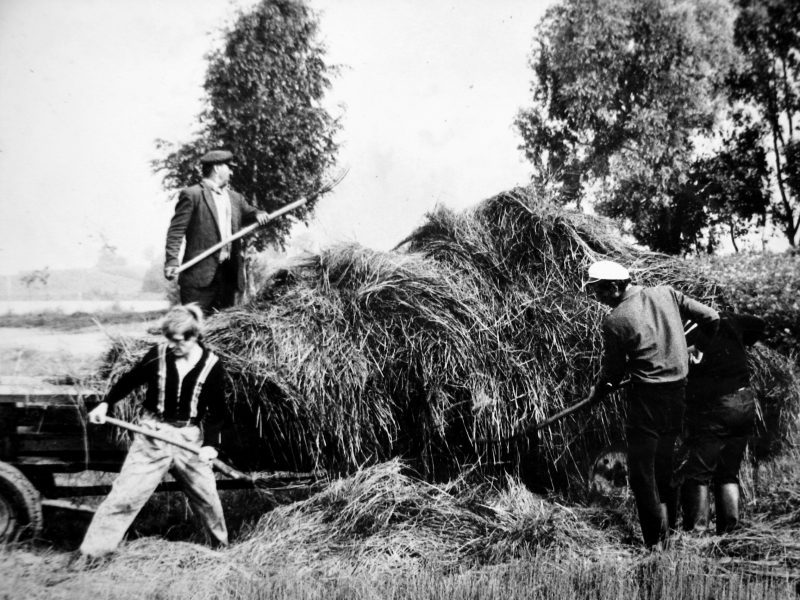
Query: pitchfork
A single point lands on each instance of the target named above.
(258, 483)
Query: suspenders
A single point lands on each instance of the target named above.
(211, 360)
(208, 363)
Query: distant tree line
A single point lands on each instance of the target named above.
(677, 118)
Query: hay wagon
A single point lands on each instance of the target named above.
(44, 435)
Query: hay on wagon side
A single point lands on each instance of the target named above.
(472, 328)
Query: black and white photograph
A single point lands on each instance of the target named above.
(411, 300)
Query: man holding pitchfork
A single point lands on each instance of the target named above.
(643, 337)
(206, 214)
(185, 401)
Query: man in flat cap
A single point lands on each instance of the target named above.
(207, 213)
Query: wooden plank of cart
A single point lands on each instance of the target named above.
(44, 433)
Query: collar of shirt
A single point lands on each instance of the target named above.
(630, 292)
(222, 202)
(214, 187)
(187, 363)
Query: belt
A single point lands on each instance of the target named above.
(180, 423)
(172, 422)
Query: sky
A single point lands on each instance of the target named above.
(428, 93)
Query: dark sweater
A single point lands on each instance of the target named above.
(643, 335)
(211, 412)
(723, 368)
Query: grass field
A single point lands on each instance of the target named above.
(57, 346)
(380, 535)
(76, 321)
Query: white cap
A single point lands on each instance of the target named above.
(607, 270)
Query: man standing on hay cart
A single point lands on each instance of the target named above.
(644, 337)
(208, 213)
(185, 402)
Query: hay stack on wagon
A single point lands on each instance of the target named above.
(435, 352)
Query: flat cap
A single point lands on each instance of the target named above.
(215, 157)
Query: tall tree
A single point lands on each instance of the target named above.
(622, 90)
(731, 186)
(768, 36)
(264, 91)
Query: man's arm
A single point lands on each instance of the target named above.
(706, 318)
(250, 213)
(612, 370)
(177, 231)
(129, 381)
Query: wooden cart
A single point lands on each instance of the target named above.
(44, 432)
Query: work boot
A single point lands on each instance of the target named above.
(665, 531)
(726, 501)
(694, 502)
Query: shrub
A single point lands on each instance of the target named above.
(766, 285)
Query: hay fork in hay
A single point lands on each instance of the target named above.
(263, 484)
(688, 327)
(537, 425)
(251, 228)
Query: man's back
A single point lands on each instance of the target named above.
(646, 328)
(723, 368)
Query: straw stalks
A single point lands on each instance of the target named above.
(471, 329)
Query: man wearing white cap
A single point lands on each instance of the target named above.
(644, 338)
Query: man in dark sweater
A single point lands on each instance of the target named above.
(643, 336)
(185, 399)
(720, 417)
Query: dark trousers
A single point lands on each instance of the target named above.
(655, 414)
(219, 294)
(717, 430)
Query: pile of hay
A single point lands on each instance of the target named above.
(437, 352)
(471, 330)
(383, 519)
(371, 534)
(776, 381)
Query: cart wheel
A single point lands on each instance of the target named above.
(20, 505)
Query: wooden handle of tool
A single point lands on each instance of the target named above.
(228, 471)
(560, 415)
(194, 448)
(571, 409)
(239, 234)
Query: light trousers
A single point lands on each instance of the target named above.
(147, 462)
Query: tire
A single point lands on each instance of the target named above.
(20, 505)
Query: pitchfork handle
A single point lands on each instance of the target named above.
(239, 234)
(157, 435)
(560, 415)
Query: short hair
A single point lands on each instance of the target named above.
(186, 320)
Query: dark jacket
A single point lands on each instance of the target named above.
(195, 219)
(723, 368)
(178, 405)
